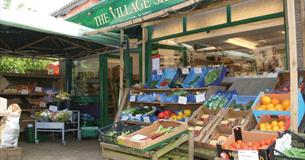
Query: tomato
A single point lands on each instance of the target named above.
(238, 146)
(273, 139)
(244, 146)
(254, 147)
(263, 143)
(269, 142)
(225, 146)
(239, 142)
(250, 144)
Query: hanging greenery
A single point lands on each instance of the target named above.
(22, 65)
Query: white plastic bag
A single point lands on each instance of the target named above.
(9, 127)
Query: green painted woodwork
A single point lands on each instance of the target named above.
(220, 26)
(111, 12)
(140, 52)
(184, 24)
(85, 100)
(229, 14)
(68, 75)
(103, 115)
(148, 52)
(286, 38)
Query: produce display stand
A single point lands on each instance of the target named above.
(11, 153)
(110, 151)
(60, 127)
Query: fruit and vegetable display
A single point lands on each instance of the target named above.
(195, 78)
(231, 122)
(249, 145)
(204, 119)
(272, 104)
(268, 123)
(213, 74)
(295, 153)
(167, 78)
(48, 116)
(62, 95)
(110, 132)
(219, 100)
(155, 77)
(175, 116)
(162, 130)
(241, 106)
(217, 139)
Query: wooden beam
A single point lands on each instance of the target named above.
(293, 63)
(144, 40)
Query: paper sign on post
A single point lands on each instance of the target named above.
(248, 155)
(24, 91)
(124, 118)
(200, 98)
(185, 71)
(182, 100)
(53, 108)
(38, 89)
(132, 98)
(159, 72)
(197, 70)
(3, 105)
(146, 119)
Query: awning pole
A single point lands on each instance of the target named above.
(121, 67)
(293, 64)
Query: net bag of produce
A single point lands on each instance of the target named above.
(9, 127)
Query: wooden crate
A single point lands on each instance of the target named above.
(11, 153)
(197, 115)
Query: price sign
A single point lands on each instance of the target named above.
(124, 118)
(139, 116)
(24, 91)
(146, 119)
(197, 70)
(248, 155)
(53, 108)
(159, 72)
(38, 89)
(49, 92)
(185, 71)
(182, 100)
(200, 98)
(132, 98)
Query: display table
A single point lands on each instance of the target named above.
(110, 151)
(73, 125)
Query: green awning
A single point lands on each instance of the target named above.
(23, 32)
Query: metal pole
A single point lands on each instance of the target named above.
(121, 67)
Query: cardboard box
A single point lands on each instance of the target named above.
(196, 117)
(242, 118)
(247, 136)
(280, 96)
(214, 134)
(145, 145)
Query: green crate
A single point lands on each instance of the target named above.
(89, 132)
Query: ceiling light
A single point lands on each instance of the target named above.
(242, 43)
(283, 32)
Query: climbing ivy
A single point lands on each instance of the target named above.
(22, 65)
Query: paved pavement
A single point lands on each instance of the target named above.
(54, 150)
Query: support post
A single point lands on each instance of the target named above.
(103, 110)
(68, 75)
(293, 63)
(144, 40)
(140, 63)
(122, 64)
(148, 53)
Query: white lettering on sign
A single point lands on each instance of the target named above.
(159, 72)
(101, 19)
(248, 155)
(182, 100)
(197, 70)
(185, 71)
(132, 98)
(200, 98)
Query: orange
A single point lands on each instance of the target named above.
(270, 107)
(262, 107)
(275, 128)
(287, 108)
(286, 103)
(282, 128)
(275, 101)
(281, 123)
(268, 127)
(274, 123)
(266, 100)
(279, 107)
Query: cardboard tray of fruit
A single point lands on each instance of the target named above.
(273, 123)
(155, 135)
(217, 135)
(202, 120)
(258, 145)
(276, 104)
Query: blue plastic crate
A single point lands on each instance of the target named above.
(155, 78)
(258, 113)
(191, 76)
(170, 74)
(220, 76)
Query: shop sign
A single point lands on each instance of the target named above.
(112, 12)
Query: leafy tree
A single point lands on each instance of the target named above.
(6, 4)
(22, 65)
